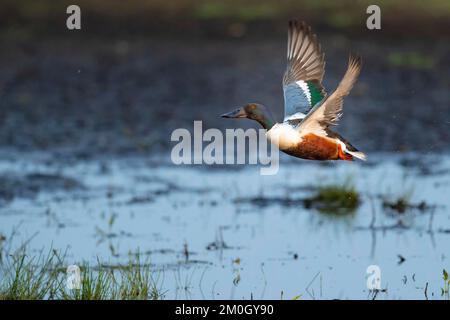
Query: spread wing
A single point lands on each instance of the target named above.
(302, 81)
(329, 111)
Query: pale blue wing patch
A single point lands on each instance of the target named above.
(297, 100)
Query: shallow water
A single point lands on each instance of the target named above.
(205, 244)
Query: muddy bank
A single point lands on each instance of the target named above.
(86, 97)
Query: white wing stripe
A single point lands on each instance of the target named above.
(302, 84)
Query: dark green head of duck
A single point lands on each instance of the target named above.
(253, 111)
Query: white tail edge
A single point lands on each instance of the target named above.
(357, 154)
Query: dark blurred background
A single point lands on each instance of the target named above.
(139, 69)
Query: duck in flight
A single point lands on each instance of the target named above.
(308, 111)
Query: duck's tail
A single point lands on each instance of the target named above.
(347, 151)
(357, 154)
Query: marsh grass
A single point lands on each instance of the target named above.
(414, 60)
(30, 278)
(44, 277)
(403, 203)
(445, 288)
(334, 199)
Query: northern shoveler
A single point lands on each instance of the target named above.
(308, 111)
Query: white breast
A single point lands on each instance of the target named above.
(284, 136)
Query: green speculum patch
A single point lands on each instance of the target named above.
(316, 93)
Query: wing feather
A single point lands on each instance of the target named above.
(330, 110)
(304, 72)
